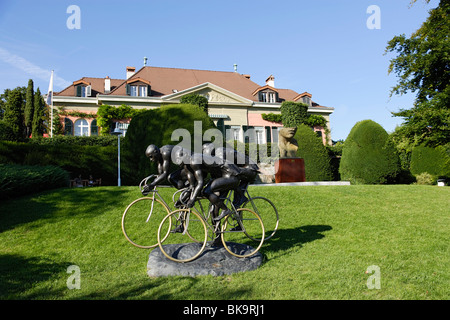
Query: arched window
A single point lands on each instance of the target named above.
(81, 128)
(94, 128)
(68, 127)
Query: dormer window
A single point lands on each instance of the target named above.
(305, 98)
(267, 94)
(82, 88)
(138, 88)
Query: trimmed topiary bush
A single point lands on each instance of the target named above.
(293, 114)
(314, 153)
(368, 156)
(156, 127)
(434, 161)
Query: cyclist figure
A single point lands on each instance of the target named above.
(248, 168)
(162, 156)
(225, 177)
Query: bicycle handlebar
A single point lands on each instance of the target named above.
(144, 181)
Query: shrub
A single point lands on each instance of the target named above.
(99, 161)
(195, 99)
(368, 156)
(314, 153)
(17, 180)
(434, 161)
(425, 178)
(156, 127)
(293, 114)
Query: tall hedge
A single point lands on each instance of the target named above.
(17, 180)
(156, 127)
(99, 161)
(435, 161)
(368, 156)
(314, 153)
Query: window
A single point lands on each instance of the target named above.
(143, 91)
(133, 91)
(83, 91)
(259, 135)
(81, 128)
(138, 91)
(268, 96)
(94, 128)
(263, 97)
(68, 127)
(272, 97)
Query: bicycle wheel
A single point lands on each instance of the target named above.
(268, 213)
(182, 227)
(238, 228)
(141, 220)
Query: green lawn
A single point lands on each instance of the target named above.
(328, 237)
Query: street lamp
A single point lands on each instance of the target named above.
(118, 133)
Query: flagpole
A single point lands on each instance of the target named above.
(50, 93)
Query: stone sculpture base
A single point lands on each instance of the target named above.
(215, 261)
(290, 170)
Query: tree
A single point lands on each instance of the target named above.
(39, 115)
(29, 109)
(368, 155)
(195, 99)
(423, 66)
(14, 113)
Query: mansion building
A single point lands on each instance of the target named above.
(235, 102)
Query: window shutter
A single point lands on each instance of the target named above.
(260, 99)
(78, 91)
(88, 91)
(276, 97)
(149, 90)
(268, 136)
(128, 89)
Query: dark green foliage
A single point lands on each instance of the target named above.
(29, 108)
(368, 155)
(14, 113)
(273, 117)
(39, 115)
(156, 127)
(101, 141)
(195, 99)
(18, 180)
(435, 161)
(6, 132)
(314, 153)
(293, 114)
(99, 161)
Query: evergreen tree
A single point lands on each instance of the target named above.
(29, 108)
(38, 116)
(14, 113)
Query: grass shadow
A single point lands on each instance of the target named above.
(286, 239)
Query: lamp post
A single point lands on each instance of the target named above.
(118, 133)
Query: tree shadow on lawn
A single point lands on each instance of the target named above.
(47, 205)
(19, 274)
(285, 239)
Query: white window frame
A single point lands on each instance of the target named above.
(83, 126)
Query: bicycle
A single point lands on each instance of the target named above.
(260, 205)
(144, 215)
(189, 238)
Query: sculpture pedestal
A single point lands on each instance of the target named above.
(290, 170)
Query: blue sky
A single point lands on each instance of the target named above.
(323, 46)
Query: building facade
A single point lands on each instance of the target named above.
(235, 102)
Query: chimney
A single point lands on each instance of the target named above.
(270, 81)
(235, 67)
(107, 84)
(130, 71)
